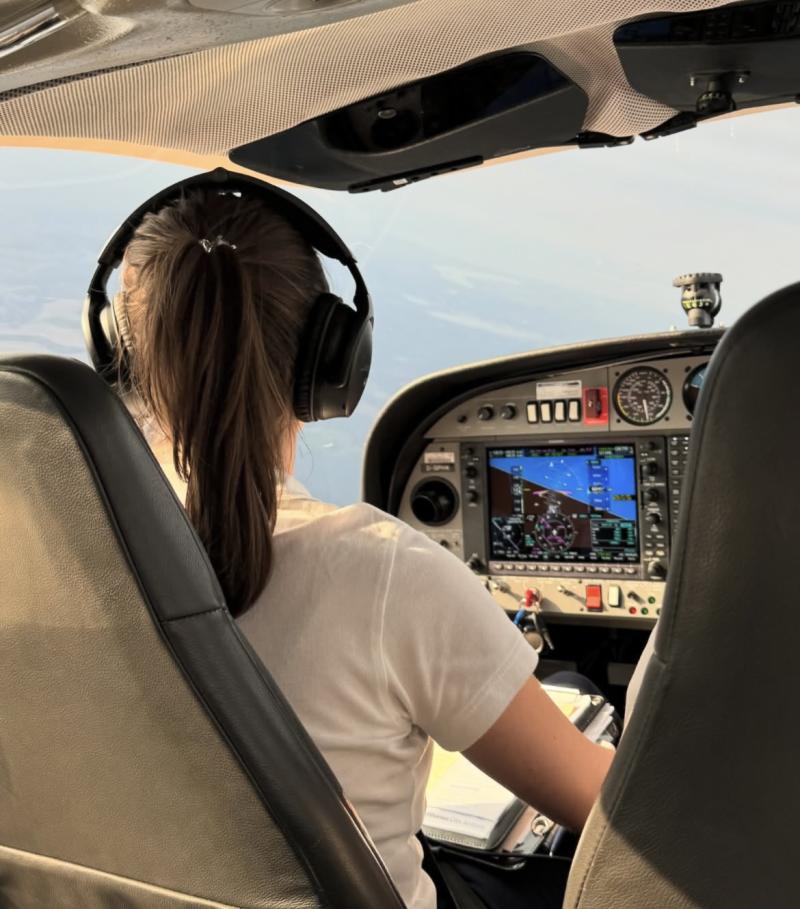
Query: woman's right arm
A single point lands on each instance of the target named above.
(537, 753)
(463, 673)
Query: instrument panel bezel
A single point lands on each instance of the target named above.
(475, 516)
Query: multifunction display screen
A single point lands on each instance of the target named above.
(565, 503)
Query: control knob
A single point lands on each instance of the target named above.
(472, 497)
(474, 562)
(471, 471)
(508, 412)
(486, 412)
(650, 469)
(654, 517)
(652, 494)
(656, 570)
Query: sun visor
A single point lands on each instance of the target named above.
(509, 102)
(714, 61)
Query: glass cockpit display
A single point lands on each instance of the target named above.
(570, 503)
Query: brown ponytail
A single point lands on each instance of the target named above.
(214, 330)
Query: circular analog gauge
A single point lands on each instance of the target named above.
(692, 385)
(642, 395)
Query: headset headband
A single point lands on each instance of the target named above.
(313, 227)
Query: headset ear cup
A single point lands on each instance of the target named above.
(99, 332)
(310, 356)
(360, 363)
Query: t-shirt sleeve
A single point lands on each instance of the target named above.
(453, 661)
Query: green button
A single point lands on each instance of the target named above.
(645, 610)
(658, 612)
(651, 600)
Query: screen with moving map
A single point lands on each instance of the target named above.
(570, 503)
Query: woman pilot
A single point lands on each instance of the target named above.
(380, 639)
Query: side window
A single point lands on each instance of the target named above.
(57, 212)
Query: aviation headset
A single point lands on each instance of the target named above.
(335, 349)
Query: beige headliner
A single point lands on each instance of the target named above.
(200, 104)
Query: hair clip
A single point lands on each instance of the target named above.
(210, 245)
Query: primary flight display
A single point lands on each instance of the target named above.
(570, 503)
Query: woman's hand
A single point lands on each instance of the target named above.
(537, 753)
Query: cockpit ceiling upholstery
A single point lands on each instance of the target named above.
(212, 100)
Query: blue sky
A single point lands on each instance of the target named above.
(543, 251)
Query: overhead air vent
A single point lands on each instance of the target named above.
(490, 107)
(27, 25)
(715, 61)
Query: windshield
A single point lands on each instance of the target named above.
(546, 250)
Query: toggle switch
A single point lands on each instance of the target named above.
(594, 597)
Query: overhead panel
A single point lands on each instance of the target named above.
(151, 86)
(715, 61)
(491, 107)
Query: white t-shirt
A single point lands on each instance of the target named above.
(381, 640)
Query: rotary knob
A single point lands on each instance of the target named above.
(486, 412)
(508, 412)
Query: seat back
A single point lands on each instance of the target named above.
(701, 806)
(147, 758)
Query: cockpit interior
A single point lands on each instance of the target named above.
(625, 503)
(558, 478)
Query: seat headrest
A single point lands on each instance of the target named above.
(146, 756)
(700, 808)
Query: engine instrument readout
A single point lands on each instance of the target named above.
(570, 503)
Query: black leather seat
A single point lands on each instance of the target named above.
(146, 757)
(702, 804)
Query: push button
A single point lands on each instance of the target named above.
(546, 411)
(594, 597)
(614, 596)
(532, 410)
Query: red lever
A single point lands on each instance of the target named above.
(531, 597)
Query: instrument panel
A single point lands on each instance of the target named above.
(564, 490)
